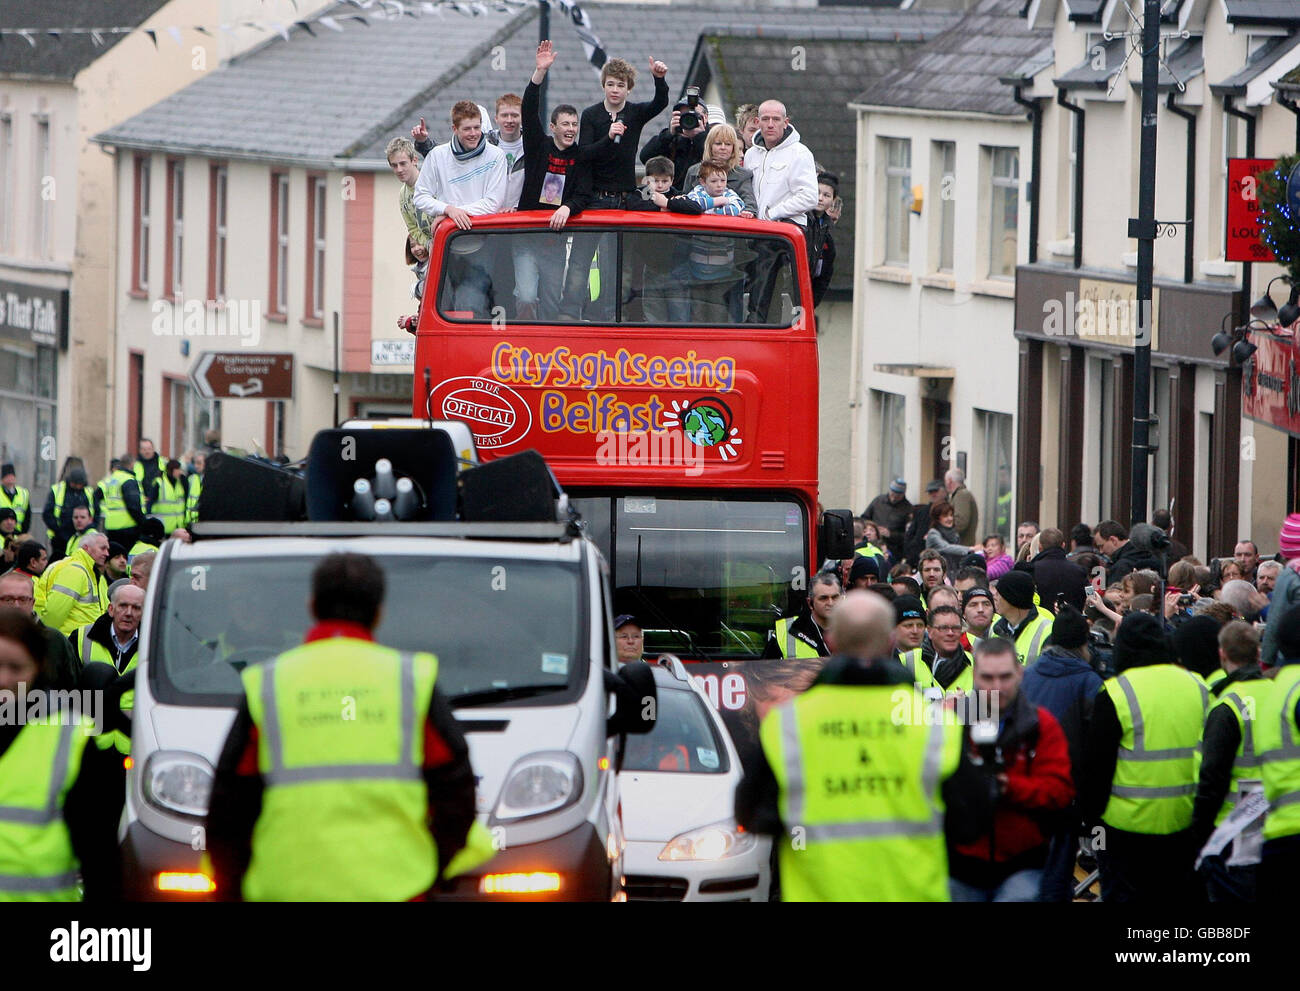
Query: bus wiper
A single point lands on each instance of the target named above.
(490, 695)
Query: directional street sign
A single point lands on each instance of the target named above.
(243, 375)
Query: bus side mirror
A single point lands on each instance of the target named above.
(636, 701)
(835, 536)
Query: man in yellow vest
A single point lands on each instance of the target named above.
(75, 590)
(1139, 777)
(113, 639)
(148, 467)
(82, 525)
(14, 496)
(804, 635)
(291, 819)
(1227, 758)
(1277, 738)
(979, 614)
(194, 488)
(122, 503)
(169, 503)
(909, 640)
(949, 663)
(60, 796)
(65, 495)
(859, 793)
(1024, 623)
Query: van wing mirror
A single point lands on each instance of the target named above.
(636, 700)
(835, 535)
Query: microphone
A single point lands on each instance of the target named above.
(614, 119)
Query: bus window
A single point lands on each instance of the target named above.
(661, 278)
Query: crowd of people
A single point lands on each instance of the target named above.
(584, 160)
(1138, 696)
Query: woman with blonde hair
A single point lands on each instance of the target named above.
(722, 147)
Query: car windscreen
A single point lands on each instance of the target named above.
(503, 630)
(684, 740)
(705, 577)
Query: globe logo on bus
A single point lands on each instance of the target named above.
(706, 423)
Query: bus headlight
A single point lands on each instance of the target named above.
(178, 782)
(714, 842)
(539, 783)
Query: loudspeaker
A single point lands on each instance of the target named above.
(339, 457)
(516, 489)
(240, 490)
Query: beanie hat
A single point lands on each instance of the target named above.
(1288, 541)
(1140, 640)
(7, 514)
(863, 567)
(974, 561)
(116, 550)
(908, 607)
(978, 592)
(6, 469)
(1017, 587)
(77, 476)
(1069, 628)
(898, 485)
(1196, 644)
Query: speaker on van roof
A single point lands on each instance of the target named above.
(242, 490)
(338, 458)
(517, 489)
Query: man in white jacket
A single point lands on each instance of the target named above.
(464, 178)
(785, 186)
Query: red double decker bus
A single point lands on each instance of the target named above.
(666, 368)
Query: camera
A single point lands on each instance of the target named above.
(1186, 600)
(984, 736)
(690, 117)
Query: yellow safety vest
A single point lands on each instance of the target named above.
(1161, 710)
(170, 504)
(1032, 639)
(791, 645)
(21, 504)
(60, 490)
(1277, 738)
(72, 541)
(922, 676)
(345, 809)
(192, 499)
(860, 793)
(91, 652)
(75, 594)
(37, 862)
(113, 505)
(1244, 701)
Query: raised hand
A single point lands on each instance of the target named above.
(657, 68)
(545, 55)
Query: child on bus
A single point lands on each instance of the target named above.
(658, 187)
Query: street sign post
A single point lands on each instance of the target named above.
(243, 375)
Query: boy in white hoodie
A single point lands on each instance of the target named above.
(467, 177)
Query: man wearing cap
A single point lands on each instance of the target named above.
(1139, 777)
(805, 634)
(919, 525)
(890, 512)
(64, 497)
(116, 567)
(1064, 683)
(863, 572)
(909, 639)
(1286, 590)
(979, 612)
(966, 513)
(1277, 734)
(1023, 623)
(14, 496)
(629, 638)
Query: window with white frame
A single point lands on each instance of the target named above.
(887, 411)
(317, 207)
(42, 235)
(142, 222)
(218, 233)
(1004, 211)
(898, 199)
(945, 160)
(280, 247)
(175, 225)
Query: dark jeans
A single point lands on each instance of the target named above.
(1228, 884)
(1148, 869)
(1058, 872)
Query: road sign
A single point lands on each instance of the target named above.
(243, 375)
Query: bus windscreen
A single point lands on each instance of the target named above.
(640, 277)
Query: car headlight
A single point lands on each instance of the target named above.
(178, 782)
(714, 842)
(539, 783)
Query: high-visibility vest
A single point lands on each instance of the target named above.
(75, 538)
(113, 505)
(1002, 521)
(966, 679)
(91, 652)
(921, 674)
(1214, 678)
(1277, 738)
(868, 550)
(861, 795)
(137, 472)
(37, 862)
(192, 499)
(170, 504)
(1244, 702)
(791, 645)
(60, 490)
(1033, 638)
(138, 548)
(73, 578)
(1161, 710)
(21, 503)
(345, 809)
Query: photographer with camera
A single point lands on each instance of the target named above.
(682, 141)
(1023, 753)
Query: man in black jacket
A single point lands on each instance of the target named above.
(681, 147)
(1055, 575)
(1112, 539)
(890, 512)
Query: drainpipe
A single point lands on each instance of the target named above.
(1035, 109)
(1190, 117)
(1080, 117)
(1246, 267)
